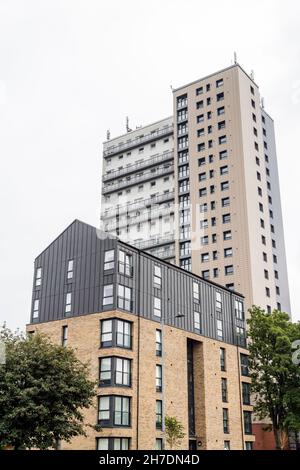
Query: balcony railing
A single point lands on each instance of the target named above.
(155, 241)
(136, 179)
(138, 166)
(164, 254)
(139, 218)
(138, 141)
(129, 207)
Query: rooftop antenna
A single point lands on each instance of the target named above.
(108, 134)
(235, 57)
(127, 125)
(252, 75)
(262, 102)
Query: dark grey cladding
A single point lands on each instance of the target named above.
(86, 246)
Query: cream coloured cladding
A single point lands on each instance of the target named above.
(246, 181)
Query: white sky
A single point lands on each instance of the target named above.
(70, 70)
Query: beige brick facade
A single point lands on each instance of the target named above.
(84, 338)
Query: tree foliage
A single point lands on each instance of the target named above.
(174, 431)
(43, 390)
(275, 377)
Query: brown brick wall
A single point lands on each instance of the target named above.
(84, 338)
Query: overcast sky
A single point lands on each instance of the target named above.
(70, 70)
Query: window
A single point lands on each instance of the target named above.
(158, 444)
(223, 154)
(158, 343)
(219, 83)
(201, 147)
(204, 240)
(157, 277)
(218, 300)
(214, 238)
(220, 96)
(203, 207)
(227, 252)
(228, 270)
(215, 255)
(201, 161)
(226, 445)
(220, 329)
(202, 176)
(64, 335)
(68, 305)
(204, 257)
(200, 132)
(186, 264)
(222, 139)
(209, 129)
(115, 332)
(204, 223)
(158, 378)
(225, 421)
(244, 365)
(208, 101)
(253, 103)
(224, 392)
(36, 305)
(266, 273)
(252, 89)
(108, 294)
(105, 371)
(184, 186)
(208, 87)
(182, 101)
(197, 322)
(221, 111)
(113, 410)
(109, 260)
(106, 333)
(205, 274)
(267, 291)
(200, 118)
(199, 90)
(239, 309)
(265, 258)
(200, 104)
(246, 393)
(113, 443)
(158, 414)
(70, 269)
(125, 298)
(240, 336)
(224, 170)
(223, 359)
(196, 296)
(125, 263)
(226, 218)
(247, 422)
(115, 371)
(224, 185)
(157, 306)
(248, 445)
(38, 277)
(277, 290)
(227, 235)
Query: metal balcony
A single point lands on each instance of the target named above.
(139, 218)
(136, 179)
(164, 157)
(129, 207)
(131, 143)
(155, 241)
(164, 254)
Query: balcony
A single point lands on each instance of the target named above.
(164, 254)
(136, 179)
(155, 241)
(164, 157)
(129, 207)
(138, 218)
(131, 143)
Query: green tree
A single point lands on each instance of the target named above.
(43, 390)
(275, 377)
(174, 431)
